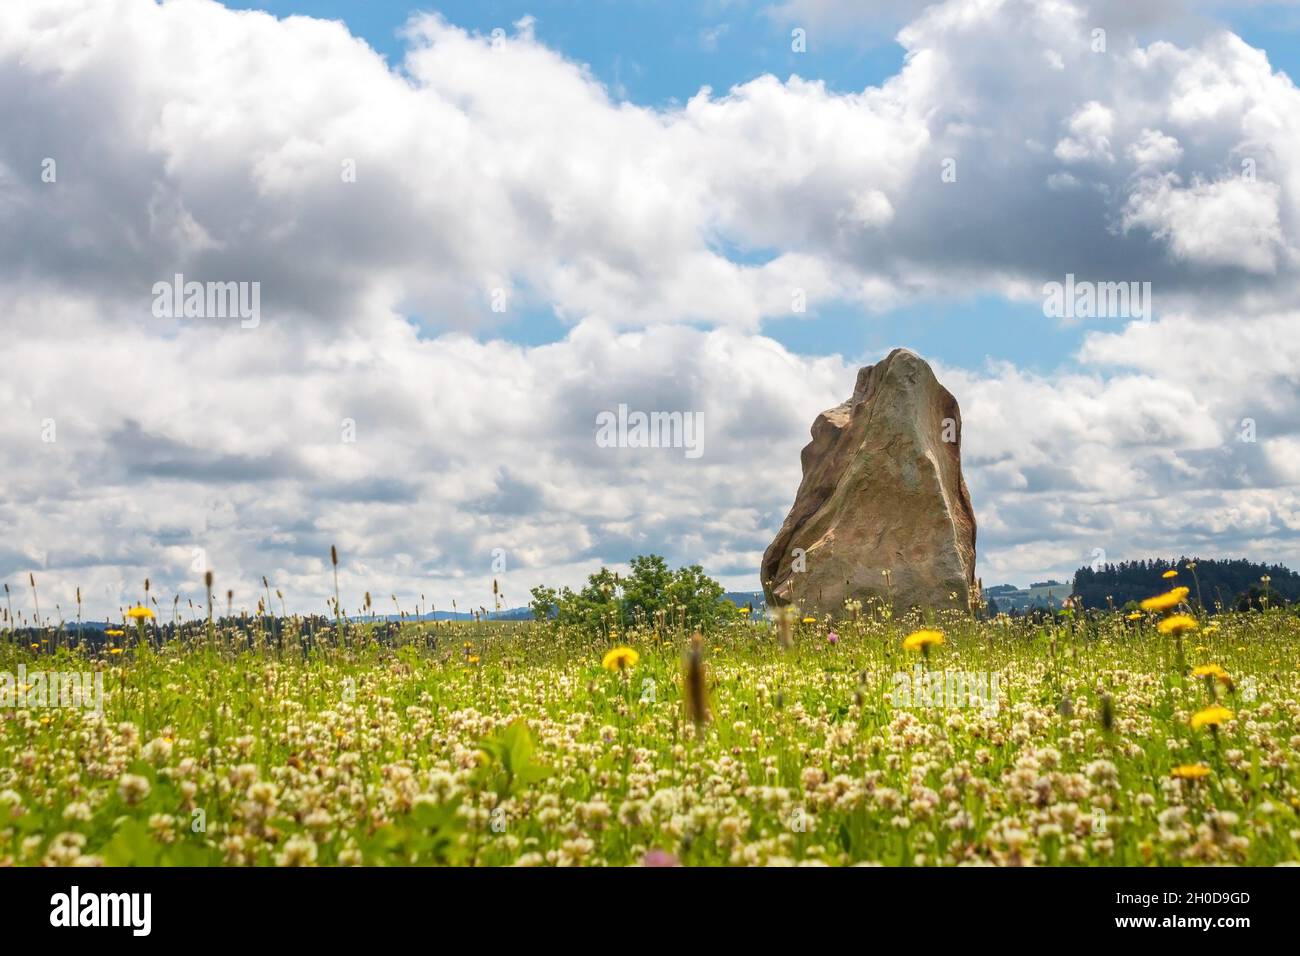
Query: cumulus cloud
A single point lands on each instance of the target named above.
(1154, 149)
(387, 213)
(418, 457)
(495, 167)
(1231, 222)
(1089, 135)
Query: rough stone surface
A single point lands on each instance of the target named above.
(882, 490)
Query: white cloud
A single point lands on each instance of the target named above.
(461, 447)
(664, 238)
(1154, 149)
(1089, 135)
(1229, 222)
(498, 164)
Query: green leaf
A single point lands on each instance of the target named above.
(511, 751)
(131, 845)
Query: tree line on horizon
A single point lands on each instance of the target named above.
(1216, 583)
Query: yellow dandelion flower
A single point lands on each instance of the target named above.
(1209, 670)
(1190, 771)
(921, 640)
(810, 620)
(114, 633)
(1171, 573)
(620, 659)
(139, 612)
(1163, 602)
(1210, 717)
(473, 658)
(1177, 624)
(1135, 616)
(115, 650)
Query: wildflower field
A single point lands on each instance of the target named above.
(1096, 739)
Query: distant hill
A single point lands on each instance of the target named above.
(505, 614)
(752, 599)
(1042, 595)
(739, 598)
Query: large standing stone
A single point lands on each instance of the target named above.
(882, 490)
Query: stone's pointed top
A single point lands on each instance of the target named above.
(882, 490)
(899, 360)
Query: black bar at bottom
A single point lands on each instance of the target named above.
(333, 906)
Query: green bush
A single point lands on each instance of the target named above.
(651, 595)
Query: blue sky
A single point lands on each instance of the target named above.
(648, 52)
(655, 52)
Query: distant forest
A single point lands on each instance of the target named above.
(1224, 584)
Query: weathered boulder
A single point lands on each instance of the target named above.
(882, 490)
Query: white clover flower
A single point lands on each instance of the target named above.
(133, 788)
(79, 811)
